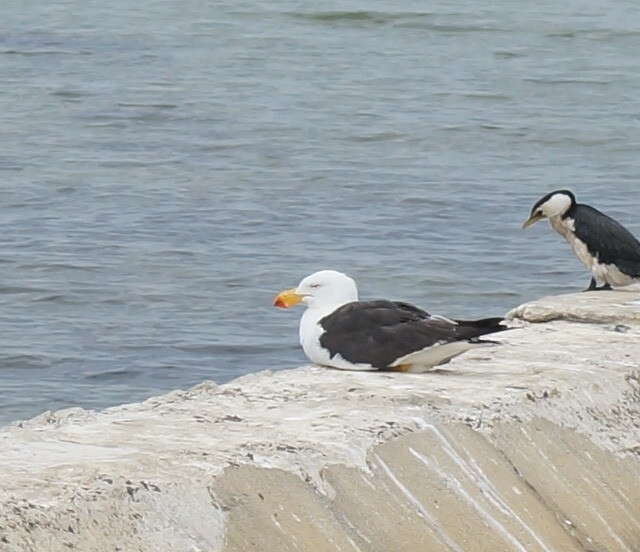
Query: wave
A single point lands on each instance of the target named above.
(109, 375)
(594, 34)
(24, 361)
(150, 105)
(549, 80)
(20, 289)
(361, 16)
(45, 52)
(415, 20)
(241, 348)
(45, 267)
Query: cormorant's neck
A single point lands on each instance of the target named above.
(569, 213)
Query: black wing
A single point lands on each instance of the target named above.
(360, 315)
(380, 332)
(607, 239)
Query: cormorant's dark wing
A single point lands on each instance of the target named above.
(380, 332)
(607, 239)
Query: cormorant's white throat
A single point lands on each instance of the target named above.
(608, 250)
(338, 330)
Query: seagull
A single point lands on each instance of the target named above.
(339, 331)
(609, 251)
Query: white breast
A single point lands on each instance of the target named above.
(611, 274)
(566, 228)
(310, 332)
(606, 273)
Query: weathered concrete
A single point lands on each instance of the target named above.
(528, 446)
(621, 305)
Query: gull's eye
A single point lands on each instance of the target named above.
(314, 286)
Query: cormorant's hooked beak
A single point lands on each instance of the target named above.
(532, 220)
(287, 298)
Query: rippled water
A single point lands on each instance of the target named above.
(167, 167)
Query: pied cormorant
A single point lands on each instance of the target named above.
(604, 246)
(339, 331)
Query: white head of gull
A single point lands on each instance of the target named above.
(321, 290)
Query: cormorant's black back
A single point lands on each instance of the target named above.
(606, 239)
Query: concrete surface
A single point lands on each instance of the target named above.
(532, 445)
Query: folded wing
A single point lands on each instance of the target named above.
(381, 333)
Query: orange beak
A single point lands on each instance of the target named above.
(287, 298)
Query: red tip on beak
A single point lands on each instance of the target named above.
(286, 299)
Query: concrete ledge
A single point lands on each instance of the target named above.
(593, 307)
(530, 445)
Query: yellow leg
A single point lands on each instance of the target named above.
(401, 368)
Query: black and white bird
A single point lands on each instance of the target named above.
(609, 251)
(339, 331)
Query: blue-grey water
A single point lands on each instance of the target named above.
(168, 166)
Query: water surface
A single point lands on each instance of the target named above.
(167, 167)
